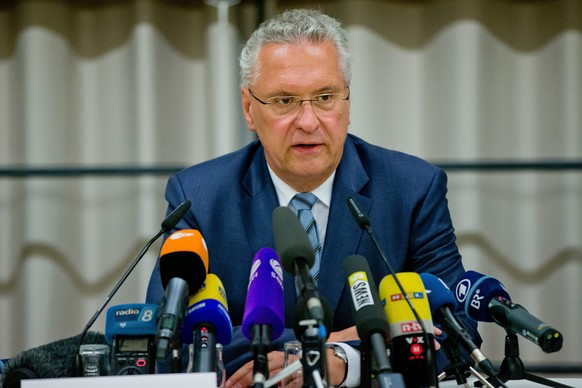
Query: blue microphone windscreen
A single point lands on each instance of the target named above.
(475, 290)
(439, 294)
(208, 311)
(208, 307)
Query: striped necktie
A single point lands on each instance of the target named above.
(302, 203)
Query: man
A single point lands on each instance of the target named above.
(296, 74)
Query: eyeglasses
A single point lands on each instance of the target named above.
(324, 104)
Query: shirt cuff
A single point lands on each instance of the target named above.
(353, 375)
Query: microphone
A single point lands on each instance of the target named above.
(52, 360)
(207, 323)
(301, 315)
(183, 268)
(412, 347)
(442, 305)
(264, 313)
(175, 216)
(486, 299)
(130, 329)
(168, 224)
(297, 257)
(312, 335)
(370, 319)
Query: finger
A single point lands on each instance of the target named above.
(243, 377)
(276, 360)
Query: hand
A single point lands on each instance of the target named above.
(243, 377)
(336, 368)
(349, 334)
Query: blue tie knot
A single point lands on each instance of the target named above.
(303, 201)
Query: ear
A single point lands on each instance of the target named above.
(246, 108)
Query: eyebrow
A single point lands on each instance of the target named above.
(325, 89)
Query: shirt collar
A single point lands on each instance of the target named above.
(285, 192)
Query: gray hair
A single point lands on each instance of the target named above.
(295, 26)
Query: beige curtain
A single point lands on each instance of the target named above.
(144, 82)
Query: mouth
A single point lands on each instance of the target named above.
(307, 145)
(307, 148)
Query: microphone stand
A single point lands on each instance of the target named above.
(458, 367)
(365, 364)
(308, 291)
(385, 377)
(260, 346)
(313, 359)
(512, 367)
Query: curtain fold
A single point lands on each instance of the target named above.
(154, 82)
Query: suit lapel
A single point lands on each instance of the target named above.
(257, 209)
(258, 204)
(343, 233)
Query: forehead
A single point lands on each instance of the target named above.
(298, 66)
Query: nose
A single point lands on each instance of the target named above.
(306, 118)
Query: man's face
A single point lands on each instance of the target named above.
(305, 146)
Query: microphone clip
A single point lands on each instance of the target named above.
(313, 359)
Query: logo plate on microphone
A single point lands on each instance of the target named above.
(360, 290)
(462, 290)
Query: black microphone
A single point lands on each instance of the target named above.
(360, 217)
(52, 360)
(486, 299)
(297, 257)
(370, 319)
(175, 216)
(168, 224)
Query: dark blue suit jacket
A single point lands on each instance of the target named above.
(233, 198)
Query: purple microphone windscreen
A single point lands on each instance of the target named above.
(439, 294)
(291, 241)
(475, 290)
(265, 301)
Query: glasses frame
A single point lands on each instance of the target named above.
(299, 101)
